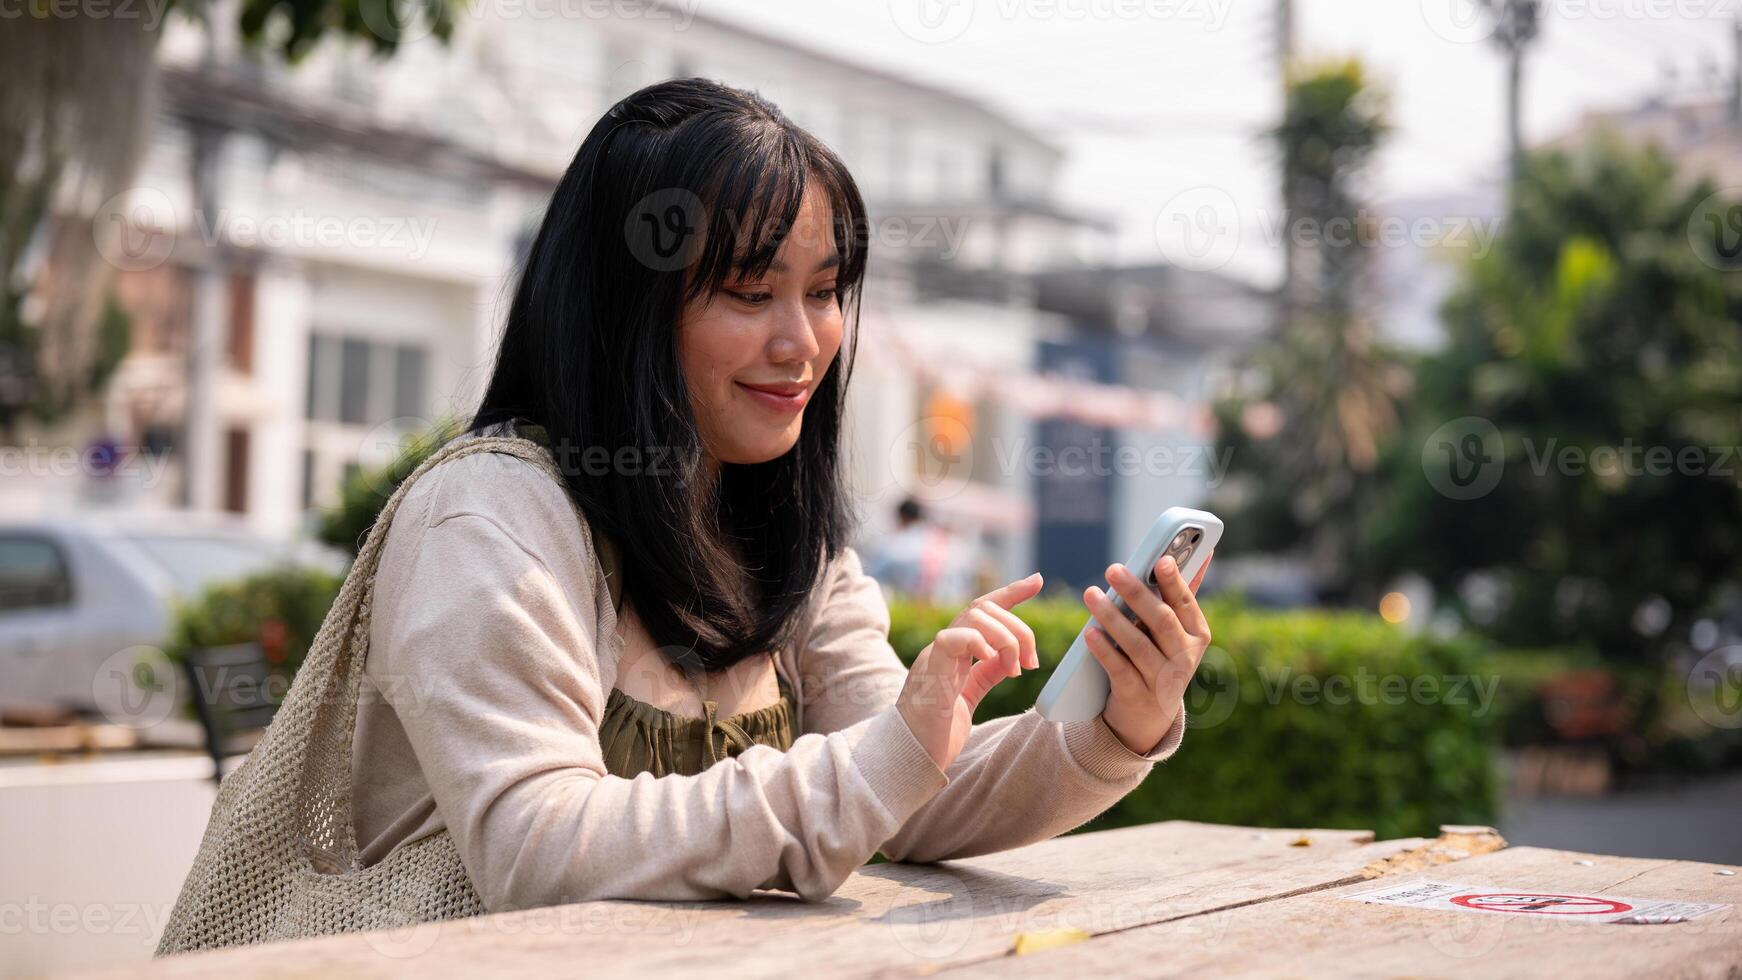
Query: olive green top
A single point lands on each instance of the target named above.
(636, 737)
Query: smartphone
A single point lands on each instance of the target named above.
(1077, 690)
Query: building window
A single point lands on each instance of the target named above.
(236, 471)
(242, 322)
(308, 478)
(323, 362)
(365, 382)
(408, 375)
(354, 382)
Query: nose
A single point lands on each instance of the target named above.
(795, 337)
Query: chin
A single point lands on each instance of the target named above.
(750, 453)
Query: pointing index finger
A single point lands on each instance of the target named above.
(1014, 594)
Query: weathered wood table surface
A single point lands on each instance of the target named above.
(1166, 899)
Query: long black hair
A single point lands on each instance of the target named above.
(679, 189)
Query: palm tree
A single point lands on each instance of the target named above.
(1307, 427)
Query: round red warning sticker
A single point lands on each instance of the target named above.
(1541, 904)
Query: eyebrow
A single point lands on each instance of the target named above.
(831, 262)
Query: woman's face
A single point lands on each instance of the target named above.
(754, 353)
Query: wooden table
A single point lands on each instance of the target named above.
(1166, 899)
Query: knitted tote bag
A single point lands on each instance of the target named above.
(279, 856)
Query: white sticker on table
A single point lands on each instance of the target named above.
(1569, 906)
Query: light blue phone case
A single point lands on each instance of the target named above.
(1077, 690)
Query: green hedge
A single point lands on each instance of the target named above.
(1264, 744)
(281, 609)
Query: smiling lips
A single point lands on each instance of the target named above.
(785, 397)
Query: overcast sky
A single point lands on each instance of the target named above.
(1153, 98)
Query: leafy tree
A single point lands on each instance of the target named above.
(294, 27)
(69, 139)
(1305, 431)
(76, 91)
(1593, 372)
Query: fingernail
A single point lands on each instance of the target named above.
(1166, 563)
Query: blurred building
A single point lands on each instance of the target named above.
(1413, 277)
(353, 260)
(1182, 335)
(1702, 133)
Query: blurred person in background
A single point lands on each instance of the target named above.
(921, 559)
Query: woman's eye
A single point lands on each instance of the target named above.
(827, 292)
(754, 299)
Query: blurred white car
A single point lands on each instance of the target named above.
(78, 593)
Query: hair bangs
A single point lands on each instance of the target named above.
(751, 207)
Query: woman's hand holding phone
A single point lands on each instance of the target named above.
(1148, 662)
(983, 645)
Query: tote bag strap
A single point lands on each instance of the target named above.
(320, 711)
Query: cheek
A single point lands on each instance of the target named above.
(708, 345)
(829, 336)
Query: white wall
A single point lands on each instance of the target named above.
(94, 858)
(281, 298)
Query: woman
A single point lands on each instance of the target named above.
(666, 676)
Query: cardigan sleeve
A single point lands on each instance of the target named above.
(1018, 779)
(486, 654)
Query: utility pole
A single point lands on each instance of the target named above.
(1736, 72)
(1285, 31)
(200, 449)
(1516, 26)
(1284, 40)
